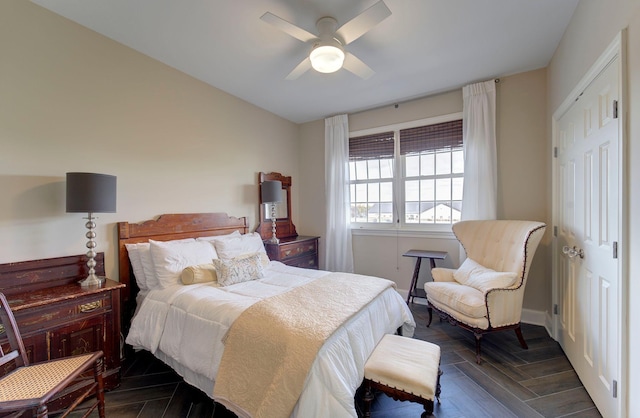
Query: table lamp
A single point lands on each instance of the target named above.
(91, 193)
(271, 192)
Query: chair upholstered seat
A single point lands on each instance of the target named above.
(466, 301)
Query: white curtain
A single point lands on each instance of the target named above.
(480, 191)
(338, 253)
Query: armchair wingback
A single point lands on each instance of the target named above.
(503, 246)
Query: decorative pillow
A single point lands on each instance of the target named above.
(465, 270)
(136, 263)
(201, 273)
(244, 244)
(481, 278)
(219, 237)
(240, 269)
(491, 280)
(170, 258)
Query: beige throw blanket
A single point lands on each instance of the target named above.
(270, 348)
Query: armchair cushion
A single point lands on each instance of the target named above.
(457, 298)
(441, 274)
(481, 278)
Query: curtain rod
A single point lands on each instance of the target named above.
(397, 104)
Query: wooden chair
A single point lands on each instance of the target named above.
(29, 387)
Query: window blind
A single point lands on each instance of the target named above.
(371, 147)
(437, 137)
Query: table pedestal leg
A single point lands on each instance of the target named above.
(414, 280)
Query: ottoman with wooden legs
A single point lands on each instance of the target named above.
(405, 369)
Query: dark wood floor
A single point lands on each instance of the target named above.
(510, 382)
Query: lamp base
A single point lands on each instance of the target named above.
(273, 240)
(92, 281)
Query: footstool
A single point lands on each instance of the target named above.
(405, 369)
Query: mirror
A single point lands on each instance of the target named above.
(284, 224)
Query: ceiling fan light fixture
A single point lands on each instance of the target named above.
(327, 58)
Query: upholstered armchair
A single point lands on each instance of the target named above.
(485, 294)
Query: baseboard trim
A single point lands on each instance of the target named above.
(533, 317)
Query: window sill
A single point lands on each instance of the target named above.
(408, 233)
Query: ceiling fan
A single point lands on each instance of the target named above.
(328, 47)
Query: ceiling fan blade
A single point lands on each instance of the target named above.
(362, 23)
(288, 28)
(300, 69)
(359, 68)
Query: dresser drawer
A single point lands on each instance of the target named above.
(34, 320)
(297, 249)
(309, 261)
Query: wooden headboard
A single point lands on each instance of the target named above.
(165, 228)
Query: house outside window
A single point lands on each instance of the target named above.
(409, 175)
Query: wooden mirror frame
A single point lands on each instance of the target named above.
(284, 226)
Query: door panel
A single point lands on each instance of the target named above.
(587, 199)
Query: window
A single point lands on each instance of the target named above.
(420, 165)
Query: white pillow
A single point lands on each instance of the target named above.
(170, 258)
(240, 245)
(239, 269)
(219, 237)
(482, 278)
(491, 279)
(136, 263)
(143, 250)
(465, 270)
(147, 265)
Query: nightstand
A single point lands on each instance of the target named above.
(68, 320)
(299, 251)
(59, 318)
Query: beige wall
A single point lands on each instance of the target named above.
(73, 100)
(523, 169)
(521, 112)
(593, 27)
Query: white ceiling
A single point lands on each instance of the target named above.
(424, 47)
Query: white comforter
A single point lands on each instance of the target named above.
(186, 325)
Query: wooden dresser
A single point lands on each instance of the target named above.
(299, 251)
(57, 317)
(293, 249)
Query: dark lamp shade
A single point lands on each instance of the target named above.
(91, 192)
(271, 191)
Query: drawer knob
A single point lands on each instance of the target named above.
(91, 306)
(288, 252)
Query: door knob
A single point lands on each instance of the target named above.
(572, 252)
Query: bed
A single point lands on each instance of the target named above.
(228, 340)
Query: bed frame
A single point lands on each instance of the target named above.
(165, 228)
